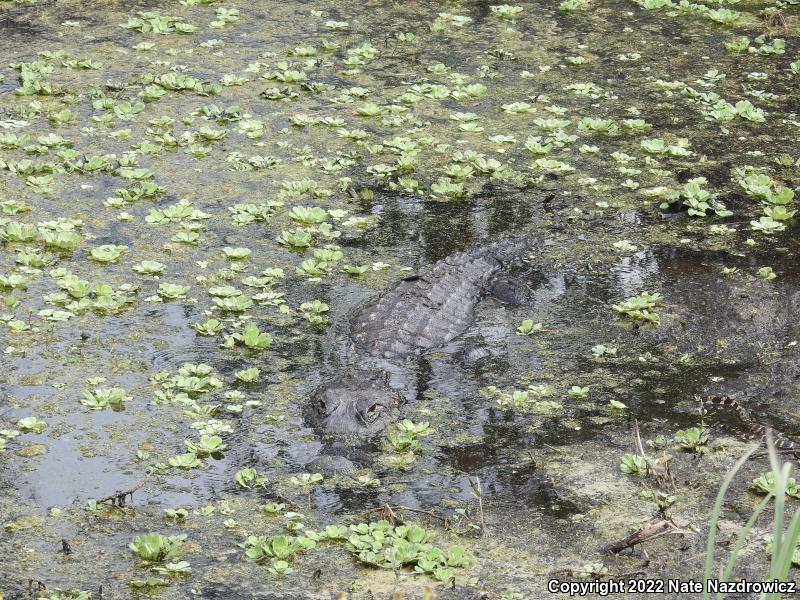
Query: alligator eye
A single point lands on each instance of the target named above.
(374, 411)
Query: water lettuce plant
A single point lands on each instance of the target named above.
(31, 424)
(785, 530)
(248, 478)
(187, 460)
(634, 464)
(767, 484)
(640, 308)
(250, 337)
(528, 327)
(388, 546)
(207, 445)
(100, 398)
(250, 375)
(157, 548)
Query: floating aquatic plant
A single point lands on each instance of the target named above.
(641, 307)
(157, 548)
(100, 398)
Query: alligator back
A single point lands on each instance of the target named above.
(436, 305)
(756, 429)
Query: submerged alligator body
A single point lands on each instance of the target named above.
(756, 429)
(436, 305)
(420, 313)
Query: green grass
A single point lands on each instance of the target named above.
(783, 542)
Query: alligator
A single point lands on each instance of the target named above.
(755, 429)
(436, 305)
(361, 404)
(420, 313)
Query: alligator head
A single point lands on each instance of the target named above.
(355, 405)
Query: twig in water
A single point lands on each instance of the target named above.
(661, 525)
(638, 439)
(118, 498)
(478, 491)
(389, 512)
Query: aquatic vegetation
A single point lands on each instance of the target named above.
(782, 544)
(355, 270)
(262, 548)
(766, 273)
(108, 253)
(157, 548)
(100, 398)
(506, 11)
(250, 375)
(384, 545)
(233, 304)
(172, 291)
(149, 267)
(724, 16)
(206, 446)
(767, 225)
(528, 327)
(248, 478)
(767, 484)
(658, 146)
(250, 337)
(578, 393)
(187, 460)
(640, 308)
(601, 350)
(178, 514)
(154, 22)
(306, 479)
(617, 406)
(404, 436)
(297, 238)
(694, 439)
(177, 213)
(236, 253)
(273, 508)
(775, 46)
(313, 312)
(181, 567)
(31, 424)
(224, 291)
(217, 173)
(634, 464)
(13, 281)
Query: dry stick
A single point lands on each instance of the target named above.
(476, 488)
(663, 526)
(667, 476)
(638, 439)
(572, 572)
(289, 501)
(391, 510)
(118, 498)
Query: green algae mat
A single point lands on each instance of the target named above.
(196, 197)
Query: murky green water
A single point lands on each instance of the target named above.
(413, 130)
